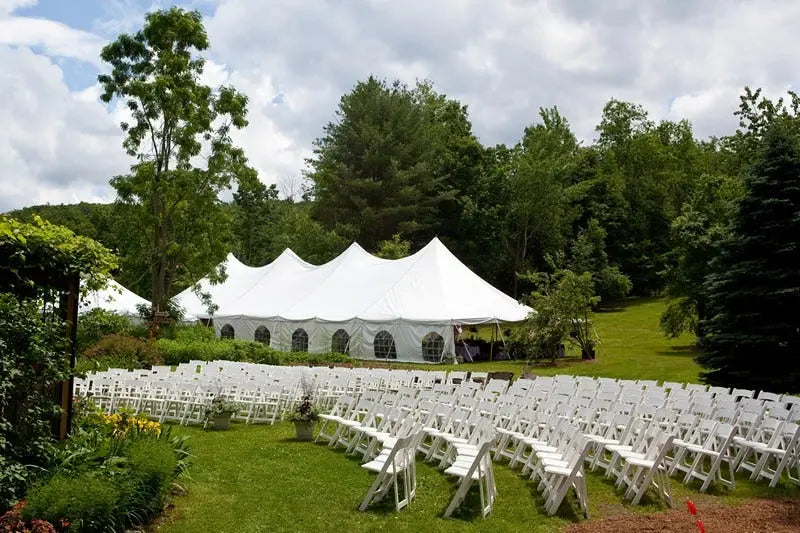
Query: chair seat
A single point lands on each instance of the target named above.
(461, 471)
(560, 470)
(776, 451)
(549, 455)
(641, 462)
(377, 465)
(741, 441)
(630, 455)
(554, 463)
(705, 451)
(600, 440)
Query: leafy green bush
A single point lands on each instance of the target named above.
(176, 352)
(96, 324)
(311, 358)
(194, 332)
(87, 501)
(31, 362)
(119, 351)
(152, 466)
(134, 460)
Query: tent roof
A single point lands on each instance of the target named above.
(240, 279)
(430, 286)
(114, 298)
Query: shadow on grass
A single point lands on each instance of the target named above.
(688, 350)
(568, 510)
(650, 503)
(623, 305)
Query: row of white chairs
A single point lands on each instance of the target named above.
(641, 452)
(640, 432)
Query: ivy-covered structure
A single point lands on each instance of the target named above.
(45, 266)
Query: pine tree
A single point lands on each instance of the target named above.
(754, 292)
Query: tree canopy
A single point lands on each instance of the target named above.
(646, 208)
(181, 225)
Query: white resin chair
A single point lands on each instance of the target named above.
(471, 469)
(641, 470)
(391, 464)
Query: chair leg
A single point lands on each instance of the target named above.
(463, 487)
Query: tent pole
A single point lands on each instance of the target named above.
(491, 346)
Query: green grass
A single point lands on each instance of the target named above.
(258, 478)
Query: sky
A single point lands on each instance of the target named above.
(504, 59)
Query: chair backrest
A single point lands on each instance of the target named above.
(769, 396)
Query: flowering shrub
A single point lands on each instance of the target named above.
(12, 522)
(115, 471)
(119, 351)
(123, 423)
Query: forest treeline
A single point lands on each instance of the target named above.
(642, 207)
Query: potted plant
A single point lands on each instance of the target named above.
(305, 414)
(218, 413)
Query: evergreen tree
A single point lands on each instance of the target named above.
(389, 162)
(754, 292)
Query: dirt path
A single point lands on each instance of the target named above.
(755, 516)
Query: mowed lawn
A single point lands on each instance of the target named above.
(258, 478)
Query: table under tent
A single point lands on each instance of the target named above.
(370, 308)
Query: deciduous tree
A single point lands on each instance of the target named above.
(180, 137)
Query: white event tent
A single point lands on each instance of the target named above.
(403, 309)
(114, 298)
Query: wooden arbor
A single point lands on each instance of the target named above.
(49, 264)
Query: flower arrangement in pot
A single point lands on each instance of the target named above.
(218, 413)
(305, 414)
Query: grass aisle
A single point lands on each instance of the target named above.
(258, 478)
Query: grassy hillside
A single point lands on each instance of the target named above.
(631, 347)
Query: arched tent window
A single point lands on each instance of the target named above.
(262, 335)
(299, 340)
(384, 346)
(226, 332)
(340, 342)
(432, 347)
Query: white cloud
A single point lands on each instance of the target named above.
(8, 6)
(55, 38)
(294, 60)
(55, 145)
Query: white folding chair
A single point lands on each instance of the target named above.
(640, 470)
(471, 469)
(390, 464)
(714, 452)
(781, 455)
